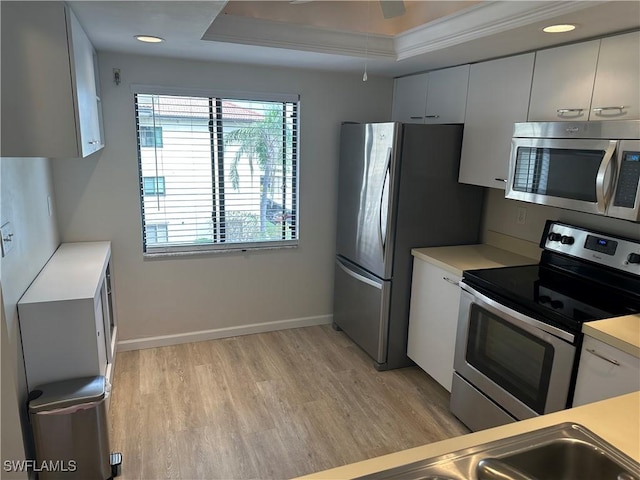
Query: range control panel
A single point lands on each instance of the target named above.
(612, 251)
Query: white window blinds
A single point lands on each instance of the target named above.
(216, 173)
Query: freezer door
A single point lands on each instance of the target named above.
(366, 186)
(361, 308)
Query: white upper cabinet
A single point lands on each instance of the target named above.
(563, 80)
(409, 99)
(447, 95)
(50, 100)
(498, 98)
(87, 92)
(435, 97)
(616, 93)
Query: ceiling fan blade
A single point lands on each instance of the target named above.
(392, 8)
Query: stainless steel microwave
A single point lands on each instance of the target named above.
(592, 167)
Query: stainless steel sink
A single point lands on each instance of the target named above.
(561, 452)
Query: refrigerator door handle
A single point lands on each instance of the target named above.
(358, 277)
(384, 205)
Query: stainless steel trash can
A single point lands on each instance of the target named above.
(70, 429)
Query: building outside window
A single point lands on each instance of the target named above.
(153, 185)
(232, 167)
(156, 233)
(151, 136)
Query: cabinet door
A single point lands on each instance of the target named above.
(563, 82)
(616, 93)
(447, 95)
(409, 99)
(38, 118)
(604, 372)
(101, 337)
(87, 97)
(498, 98)
(433, 319)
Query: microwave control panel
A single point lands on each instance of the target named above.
(629, 177)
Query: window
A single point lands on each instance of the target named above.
(151, 136)
(156, 233)
(232, 164)
(153, 185)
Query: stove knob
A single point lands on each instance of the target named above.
(554, 237)
(566, 240)
(633, 258)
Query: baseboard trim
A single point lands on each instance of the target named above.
(203, 335)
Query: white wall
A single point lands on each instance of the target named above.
(25, 185)
(12, 447)
(98, 199)
(500, 215)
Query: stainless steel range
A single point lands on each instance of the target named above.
(519, 329)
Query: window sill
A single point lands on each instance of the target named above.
(215, 252)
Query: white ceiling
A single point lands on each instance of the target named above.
(328, 35)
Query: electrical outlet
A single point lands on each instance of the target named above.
(522, 216)
(7, 238)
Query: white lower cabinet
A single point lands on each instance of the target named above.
(604, 372)
(433, 319)
(67, 319)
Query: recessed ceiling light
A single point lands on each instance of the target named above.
(559, 28)
(148, 38)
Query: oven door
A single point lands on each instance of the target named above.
(577, 174)
(520, 363)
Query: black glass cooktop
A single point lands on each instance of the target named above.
(553, 296)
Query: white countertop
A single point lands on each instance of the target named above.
(457, 258)
(616, 420)
(73, 272)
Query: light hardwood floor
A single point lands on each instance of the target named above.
(267, 406)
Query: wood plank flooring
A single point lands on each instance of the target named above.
(268, 406)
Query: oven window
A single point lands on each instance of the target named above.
(557, 172)
(514, 359)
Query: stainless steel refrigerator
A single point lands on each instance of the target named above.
(397, 190)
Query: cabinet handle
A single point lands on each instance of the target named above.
(599, 355)
(451, 281)
(94, 142)
(500, 180)
(599, 110)
(562, 111)
(416, 118)
(432, 116)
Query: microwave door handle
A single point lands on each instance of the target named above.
(602, 195)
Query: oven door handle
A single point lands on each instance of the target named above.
(557, 332)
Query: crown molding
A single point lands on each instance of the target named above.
(487, 18)
(267, 33)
